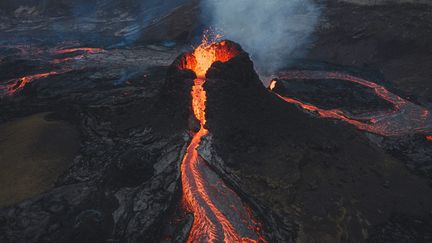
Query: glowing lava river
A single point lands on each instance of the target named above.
(12, 86)
(404, 119)
(219, 214)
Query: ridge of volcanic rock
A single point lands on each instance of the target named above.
(173, 106)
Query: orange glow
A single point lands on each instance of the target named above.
(211, 224)
(405, 118)
(17, 84)
(272, 84)
(206, 54)
(429, 138)
(87, 50)
(335, 113)
(199, 61)
(199, 99)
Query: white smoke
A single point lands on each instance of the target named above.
(270, 30)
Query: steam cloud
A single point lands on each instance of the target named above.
(270, 30)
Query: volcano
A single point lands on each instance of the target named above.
(219, 214)
(271, 146)
(196, 149)
(249, 143)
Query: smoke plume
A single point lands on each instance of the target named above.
(270, 30)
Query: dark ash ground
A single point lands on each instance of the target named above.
(113, 175)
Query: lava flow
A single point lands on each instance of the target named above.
(87, 50)
(14, 85)
(405, 118)
(219, 214)
(37, 53)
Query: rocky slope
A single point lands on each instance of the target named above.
(124, 179)
(325, 175)
(392, 38)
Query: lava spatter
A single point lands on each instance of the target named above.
(219, 214)
(405, 118)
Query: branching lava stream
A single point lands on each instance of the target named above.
(219, 214)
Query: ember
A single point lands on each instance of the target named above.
(218, 212)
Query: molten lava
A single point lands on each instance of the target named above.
(14, 85)
(87, 50)
(219, 214)
(207, 53)
(272, 85)
(406, 117)
(27, 51)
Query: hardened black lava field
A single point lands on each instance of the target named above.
(216, 121)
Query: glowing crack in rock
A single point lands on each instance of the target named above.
(87, 50)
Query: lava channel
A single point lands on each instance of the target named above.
(219, 214)
(406, 117)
